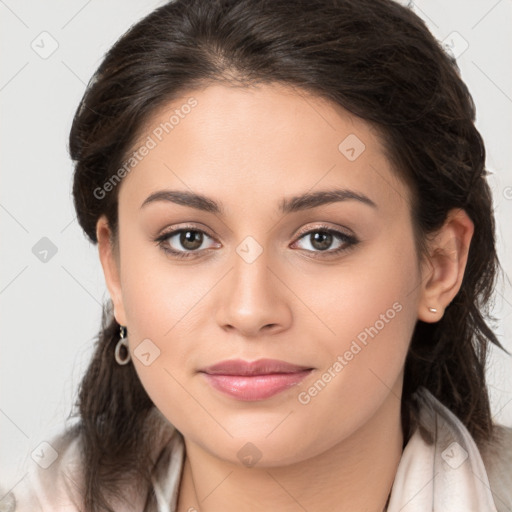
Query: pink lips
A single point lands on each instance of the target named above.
(256, 380)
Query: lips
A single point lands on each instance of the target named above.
(259, 367)
(255, 380)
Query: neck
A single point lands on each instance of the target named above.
(355, 474)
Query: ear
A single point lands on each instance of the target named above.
(111, 267)
(443, 269)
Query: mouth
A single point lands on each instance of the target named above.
(256, 380)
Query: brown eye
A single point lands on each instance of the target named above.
(321, 240)
(191, 240)
(183, 243)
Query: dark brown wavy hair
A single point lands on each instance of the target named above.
(376, 59)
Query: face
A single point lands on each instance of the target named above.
(327, 285)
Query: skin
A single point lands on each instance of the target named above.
(249, 148)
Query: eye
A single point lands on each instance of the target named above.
(183, 242)
(188, 242)
(321, 240)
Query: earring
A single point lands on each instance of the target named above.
(432, 310)
(123, 342)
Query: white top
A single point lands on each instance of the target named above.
(449, 474)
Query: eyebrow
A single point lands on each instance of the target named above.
(292, 204)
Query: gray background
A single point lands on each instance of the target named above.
(51, 309)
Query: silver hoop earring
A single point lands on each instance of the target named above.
(123, 342)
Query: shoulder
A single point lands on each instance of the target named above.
(51, 480)
(441, 426)
(497, 458)
(54, 480)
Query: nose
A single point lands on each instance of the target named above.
(253, 300)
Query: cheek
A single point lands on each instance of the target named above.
(369, 310)
(159, 295)
(163, 305)
(367, 289)
(165, 308)
(373, 319)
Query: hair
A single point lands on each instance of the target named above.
(374, 58)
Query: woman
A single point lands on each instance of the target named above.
(296, 232)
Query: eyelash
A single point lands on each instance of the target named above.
(349, 242)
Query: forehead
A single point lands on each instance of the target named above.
(259, 142)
